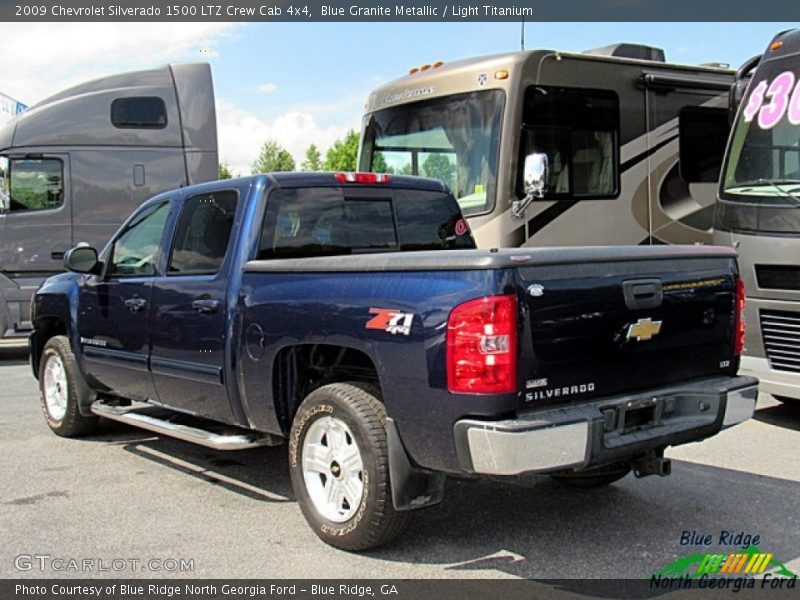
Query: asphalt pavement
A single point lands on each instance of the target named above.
(140, 505)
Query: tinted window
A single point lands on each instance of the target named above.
(146, 112)
(578, 130)
(203, 233)
(31, 184)
(703, 135)
(327, 221)
(136, 249)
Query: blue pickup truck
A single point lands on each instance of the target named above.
(350, 316)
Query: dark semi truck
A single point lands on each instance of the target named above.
(76, 164)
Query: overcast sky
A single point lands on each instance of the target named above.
(307, 82)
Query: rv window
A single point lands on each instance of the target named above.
(31, 184)
(703, 133)
(579, 131)
(139, 113)
(203, 232)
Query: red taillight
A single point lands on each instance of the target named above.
(482, 346)
(362, 178)
(738, 343)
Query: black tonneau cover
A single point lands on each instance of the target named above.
(465, 260)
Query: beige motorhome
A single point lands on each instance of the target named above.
(633, 145)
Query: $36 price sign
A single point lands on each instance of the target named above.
(771, 101)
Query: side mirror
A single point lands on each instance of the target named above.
(534, 177)
(735, 97)
(537, 168)
(739, 87)
(82, 259)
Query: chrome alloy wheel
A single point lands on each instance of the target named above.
(55, 387)
(333, 469)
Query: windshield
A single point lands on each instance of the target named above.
(453, 139)
(764, 159)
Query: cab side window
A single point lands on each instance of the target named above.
(136, 249)
(31, 184)
(203, 233)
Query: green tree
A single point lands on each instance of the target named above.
(272, 158)
(438, 166)
(379, 164)
(341, 156)
(225, 171)
(313, 159)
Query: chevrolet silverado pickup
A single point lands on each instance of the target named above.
(350, 316)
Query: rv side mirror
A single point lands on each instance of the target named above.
(737, 91)
(735, 97)
(537, 168)
(534, 178)
(82, 259)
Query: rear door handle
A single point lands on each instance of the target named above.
(206, 305)
(135, 304)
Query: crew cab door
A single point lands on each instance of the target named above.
(188, 319)
(115, 307)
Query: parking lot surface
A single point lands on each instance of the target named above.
(157, 507)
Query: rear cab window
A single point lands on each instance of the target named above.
(328, 221)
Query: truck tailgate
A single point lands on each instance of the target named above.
(611, 324)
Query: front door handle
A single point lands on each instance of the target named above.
(206, 305)
(135, 304)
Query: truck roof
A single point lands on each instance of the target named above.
(313, 179)
(81, 115)
(784, 44)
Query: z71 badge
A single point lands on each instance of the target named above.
(391, 320)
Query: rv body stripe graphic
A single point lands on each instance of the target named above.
(632, 162)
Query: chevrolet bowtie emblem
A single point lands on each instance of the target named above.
(643, 330)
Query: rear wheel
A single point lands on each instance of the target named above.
(594, 478)
(339, 462)
(61, 390)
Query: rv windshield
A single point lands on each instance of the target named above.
(764, 157)
(453, 139)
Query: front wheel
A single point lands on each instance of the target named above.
(339, 463)
(61, 390)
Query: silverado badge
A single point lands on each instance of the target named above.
(643, 330)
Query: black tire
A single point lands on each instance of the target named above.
(71, 423)
(375, 521)
(594, 478)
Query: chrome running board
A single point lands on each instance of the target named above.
(160, 420)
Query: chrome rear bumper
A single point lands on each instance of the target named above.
(581, 436)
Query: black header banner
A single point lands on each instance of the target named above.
(398, 10)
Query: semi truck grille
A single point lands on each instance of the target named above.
(781, 333)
